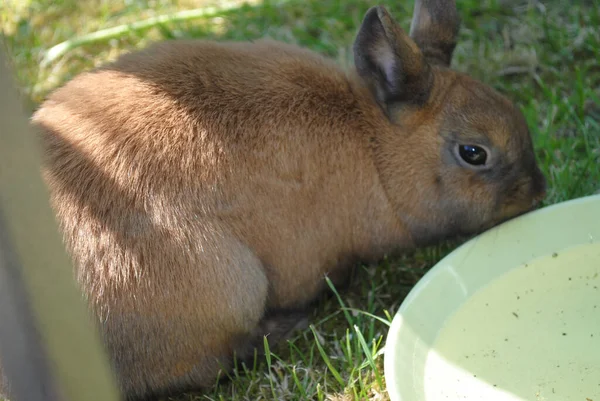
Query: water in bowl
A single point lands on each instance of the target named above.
(531, 335)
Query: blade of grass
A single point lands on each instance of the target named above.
(326, 359)
(268, 358)
(110, 33)
(339, 298)
(368, 354)
(320, 395)
(382, 320)
(299, 385)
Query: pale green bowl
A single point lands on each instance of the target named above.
(513, 314)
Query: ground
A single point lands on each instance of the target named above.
(542, 54)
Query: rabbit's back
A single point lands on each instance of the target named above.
(188, 106)
(197, 138)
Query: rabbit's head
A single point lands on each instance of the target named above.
(455, 156)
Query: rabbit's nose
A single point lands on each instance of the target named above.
(538, 190)
(537, 200)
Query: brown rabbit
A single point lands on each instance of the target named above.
(204, 189)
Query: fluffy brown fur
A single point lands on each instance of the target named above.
(204, 189)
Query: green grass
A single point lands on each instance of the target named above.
(544, 57)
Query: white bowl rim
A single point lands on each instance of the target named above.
(392, 339)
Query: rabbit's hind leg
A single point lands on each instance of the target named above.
(276, 326)
(180, 330)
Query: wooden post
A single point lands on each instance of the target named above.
(50, 349)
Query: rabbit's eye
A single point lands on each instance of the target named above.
(473, 154)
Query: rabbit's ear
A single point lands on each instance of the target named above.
(390, 61)
(434, 29)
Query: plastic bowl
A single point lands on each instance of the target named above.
(511, 315)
